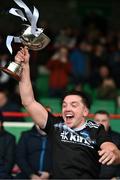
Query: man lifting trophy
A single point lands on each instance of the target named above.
(31, 36)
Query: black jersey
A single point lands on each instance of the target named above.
(75, 151)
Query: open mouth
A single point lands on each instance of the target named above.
(69, 118)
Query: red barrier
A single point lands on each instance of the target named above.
(25, 114)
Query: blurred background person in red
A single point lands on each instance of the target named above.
(60, 68)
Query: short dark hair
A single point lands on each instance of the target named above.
(85, 98)
(102, 112)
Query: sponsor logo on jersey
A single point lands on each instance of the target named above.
(69, 135)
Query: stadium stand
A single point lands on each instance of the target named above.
(53, 103)
(108, 105)
(42, 85)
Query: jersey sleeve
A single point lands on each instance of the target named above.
(102, 136)
(50, 123)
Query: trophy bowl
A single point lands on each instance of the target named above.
(35, 43)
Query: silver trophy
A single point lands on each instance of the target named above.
(31, 36)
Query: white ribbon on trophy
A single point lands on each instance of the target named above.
(31, 30)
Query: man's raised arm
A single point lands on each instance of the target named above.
(36, 110)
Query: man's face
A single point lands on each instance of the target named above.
(74, 111)
(102, 119)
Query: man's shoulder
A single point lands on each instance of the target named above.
(115, 134)
(92, 124)
(56, 118)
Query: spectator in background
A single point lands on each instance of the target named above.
(33, 155)
(60, 69)
(103, 117)
(115, 63)
(104, 82)
(108, 89)
(79, 60)
(7, 151)
(65, 37)
(98, 57)
(6, 105)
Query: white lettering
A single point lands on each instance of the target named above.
(72, 137)
(64, 135)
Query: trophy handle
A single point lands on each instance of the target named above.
(13, 69)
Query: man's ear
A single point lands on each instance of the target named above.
(86, 111)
